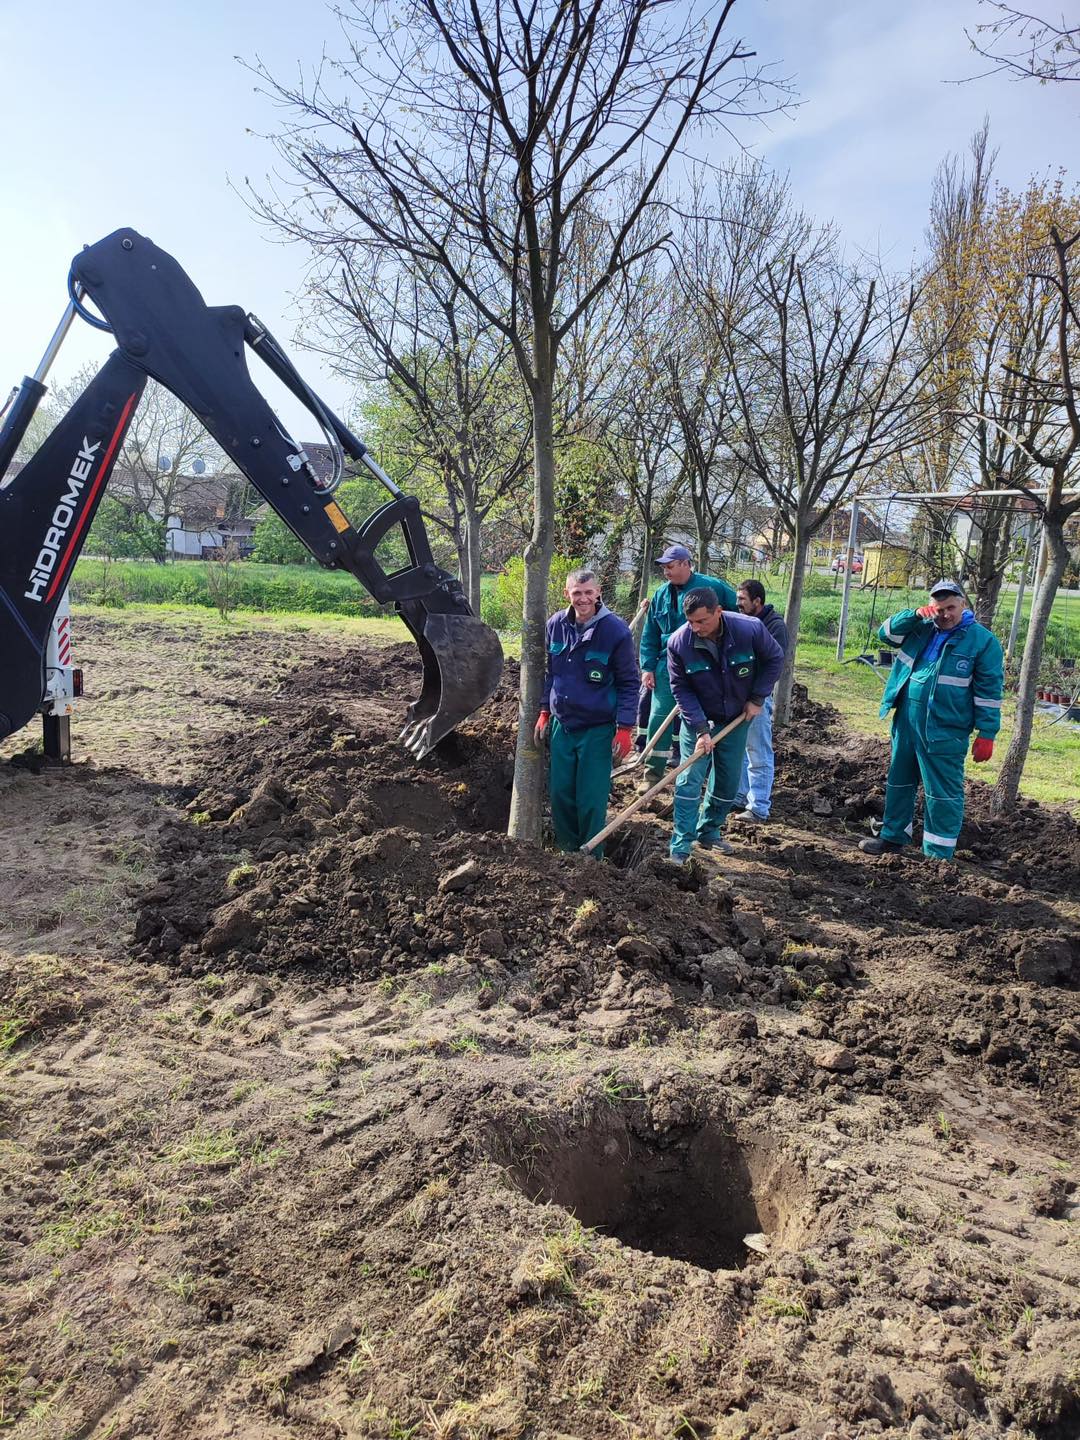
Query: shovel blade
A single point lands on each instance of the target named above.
(463, 663)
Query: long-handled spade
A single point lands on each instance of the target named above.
(643, 755)
(661, 784)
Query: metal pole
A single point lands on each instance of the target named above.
(853, 531)
(1015, 626)
(54, 344)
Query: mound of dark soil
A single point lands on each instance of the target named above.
(320, 845)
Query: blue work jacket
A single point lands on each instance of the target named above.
(969, 676)
(592, 677)
(708, 690)
(664, 615)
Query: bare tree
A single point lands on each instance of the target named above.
(828, 392)
(514, 127)
(1051, 442)
(452, 374)
(1027, 46)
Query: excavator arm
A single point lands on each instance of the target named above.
(164, 330)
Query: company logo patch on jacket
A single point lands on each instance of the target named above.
(963, 665)
(596, 676)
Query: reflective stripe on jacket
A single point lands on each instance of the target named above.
(592, 677)
(969, 676)
(665, 614)
(706, 689)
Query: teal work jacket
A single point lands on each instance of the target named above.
(969, 676)
(665, 615)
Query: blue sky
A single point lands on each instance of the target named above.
(137, 113)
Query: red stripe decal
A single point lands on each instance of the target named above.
(80, 524)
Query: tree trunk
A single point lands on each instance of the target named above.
(990, 562)
(1008, 782)
(644, 583)
(470, 560)
(703, 539)
(527, 800)
(782, 693)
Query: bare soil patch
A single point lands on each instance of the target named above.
(327, 1111)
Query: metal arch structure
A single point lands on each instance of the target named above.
(939, 497)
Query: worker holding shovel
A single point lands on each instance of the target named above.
(722, 667)
(588, 710)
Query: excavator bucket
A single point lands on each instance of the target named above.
(463, 662)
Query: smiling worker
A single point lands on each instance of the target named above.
(591, 689)
(946, 681)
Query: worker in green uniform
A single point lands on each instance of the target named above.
(664, 617)
(588, 709)
(947, 681)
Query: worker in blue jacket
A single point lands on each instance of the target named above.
(947, 681)
(721, 665)
(588, 710)
(664, 617)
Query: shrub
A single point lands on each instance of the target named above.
(503, 608)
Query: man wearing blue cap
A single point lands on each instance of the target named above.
(947, 680)
(664, 617)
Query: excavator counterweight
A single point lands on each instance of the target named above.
(164, 330)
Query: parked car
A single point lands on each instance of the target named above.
(856, 564)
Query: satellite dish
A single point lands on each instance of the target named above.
(199, 467)
(164, 463)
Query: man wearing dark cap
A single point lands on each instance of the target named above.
(947, 681)
(664, 617)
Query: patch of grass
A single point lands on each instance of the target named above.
(243, 1090)
(783, 1305)
(183, 1286)
(207, 1147)
(35, 994)
(614, 1091)
(464, 1043)
(241, 876)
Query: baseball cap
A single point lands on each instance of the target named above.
(673, 552)
(946, 587)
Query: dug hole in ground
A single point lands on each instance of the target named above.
(327, 1111)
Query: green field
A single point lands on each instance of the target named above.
(309, 589)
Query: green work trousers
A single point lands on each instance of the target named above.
(718, 774)
(663, 702)
(940, 766)
(579, 782)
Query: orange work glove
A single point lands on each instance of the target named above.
(623, 742)
(540, 730)
(982, 750)
(926, 612)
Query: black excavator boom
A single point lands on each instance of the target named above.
(164, 330)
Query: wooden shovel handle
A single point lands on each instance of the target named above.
(649, 748)
(661, 784)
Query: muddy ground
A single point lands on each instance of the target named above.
(328, 1112)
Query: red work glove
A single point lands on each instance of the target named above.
(926, 612)
(623, 742)
(982, 750)
(540, 729)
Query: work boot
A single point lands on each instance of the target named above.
(876, 846)
(717, 843)
(748, 817)
(647, 780)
